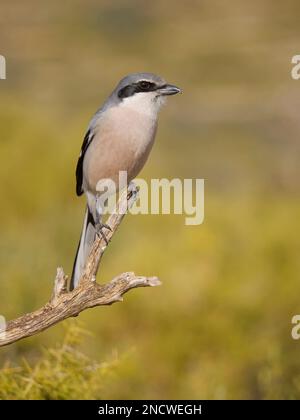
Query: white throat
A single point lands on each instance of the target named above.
(146, 103)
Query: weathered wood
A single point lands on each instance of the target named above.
(64, 304)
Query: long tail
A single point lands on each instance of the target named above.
(86, 241)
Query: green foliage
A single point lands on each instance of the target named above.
(57, 374)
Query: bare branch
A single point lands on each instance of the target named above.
(65, 304)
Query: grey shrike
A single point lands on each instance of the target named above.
(119, 138)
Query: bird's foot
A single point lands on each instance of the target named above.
(99, 230)
(132, 193)
(132, 188)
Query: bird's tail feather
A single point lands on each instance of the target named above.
(87, 238)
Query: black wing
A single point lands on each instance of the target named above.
(79, 168)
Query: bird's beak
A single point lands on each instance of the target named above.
(169, 90)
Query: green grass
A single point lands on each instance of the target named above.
(57, 373)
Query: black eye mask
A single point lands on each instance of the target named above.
(143, 86)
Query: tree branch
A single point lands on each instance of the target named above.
(64, 304)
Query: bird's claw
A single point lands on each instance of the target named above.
(99, 231)
(106, 226)
(132, 188)
(132, 193)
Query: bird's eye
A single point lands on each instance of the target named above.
(145, 85)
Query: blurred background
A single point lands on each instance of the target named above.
(220, 325)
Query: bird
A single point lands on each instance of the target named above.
(119, 137)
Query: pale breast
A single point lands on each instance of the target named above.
(122, 142)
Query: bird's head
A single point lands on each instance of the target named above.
(145, 92)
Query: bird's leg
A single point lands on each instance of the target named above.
(99, 226)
